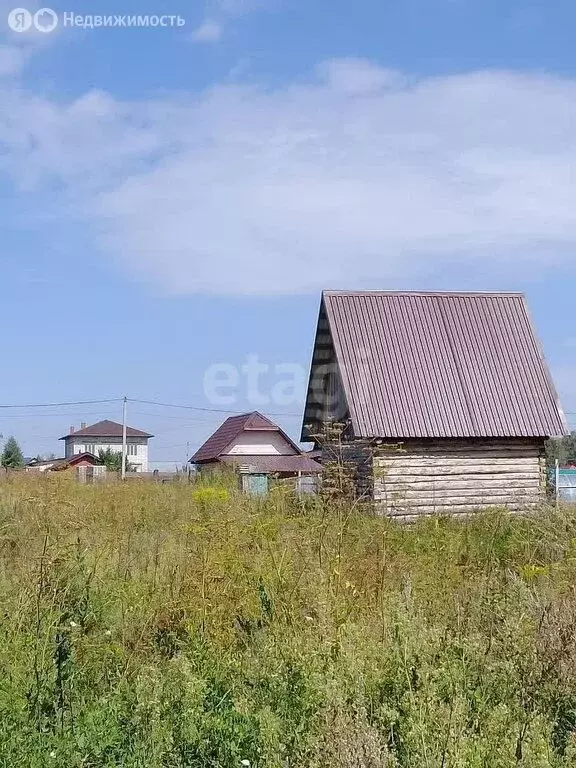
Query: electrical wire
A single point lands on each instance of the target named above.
(181, 419)
(203, 409)
(60, 415)
(62, 405)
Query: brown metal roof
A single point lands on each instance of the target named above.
(441, 365)
(106, 428)
(227, 432)
(62, 463)
(76, 459)
(273, 464)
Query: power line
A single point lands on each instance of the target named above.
(203, 409)
(199, 408)
(180, 418)
(58, 414)
(170, 447)
(62, 405)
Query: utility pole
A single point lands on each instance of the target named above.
(124, 409)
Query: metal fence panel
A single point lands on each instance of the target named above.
(566, 485)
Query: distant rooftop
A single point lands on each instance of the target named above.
(105, 428)
(227, 432)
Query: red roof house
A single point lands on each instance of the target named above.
(57, 465)
(86, 467)
(253, 441)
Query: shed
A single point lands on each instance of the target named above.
(445, 399)
(86, 466)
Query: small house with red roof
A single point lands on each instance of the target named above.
(258, 448)
(86, 467)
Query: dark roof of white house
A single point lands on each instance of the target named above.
(106, 428)
(439, 365)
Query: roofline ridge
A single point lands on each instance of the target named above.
(82, 431)
(385, 292)
(244, 415)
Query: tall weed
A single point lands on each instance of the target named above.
(163, 626)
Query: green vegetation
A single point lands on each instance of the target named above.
(563, 449)
(113, 460)
(12, 456)
(149, 625)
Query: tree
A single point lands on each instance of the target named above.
(563, 449)
(113, 460)
(12, 456)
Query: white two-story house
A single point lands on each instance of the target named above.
(108, 434)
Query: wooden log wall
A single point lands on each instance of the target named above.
(459, 477)
(354, 458)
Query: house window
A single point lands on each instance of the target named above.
(90, 448)
(132, 449)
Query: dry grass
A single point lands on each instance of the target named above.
(166, 625)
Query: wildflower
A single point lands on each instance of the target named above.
(53, 754)
(73, 624)
(108, 633)
(245, 763)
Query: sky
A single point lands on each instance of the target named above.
(173, 199)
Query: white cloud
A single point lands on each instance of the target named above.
(208, 32)
(358, 76)
(358, 178)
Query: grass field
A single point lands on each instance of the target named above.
(171, 625)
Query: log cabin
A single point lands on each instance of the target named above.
(444, 400)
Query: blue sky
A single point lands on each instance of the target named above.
(174, 199)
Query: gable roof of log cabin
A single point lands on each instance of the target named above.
(218, 443)
(430, 365)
